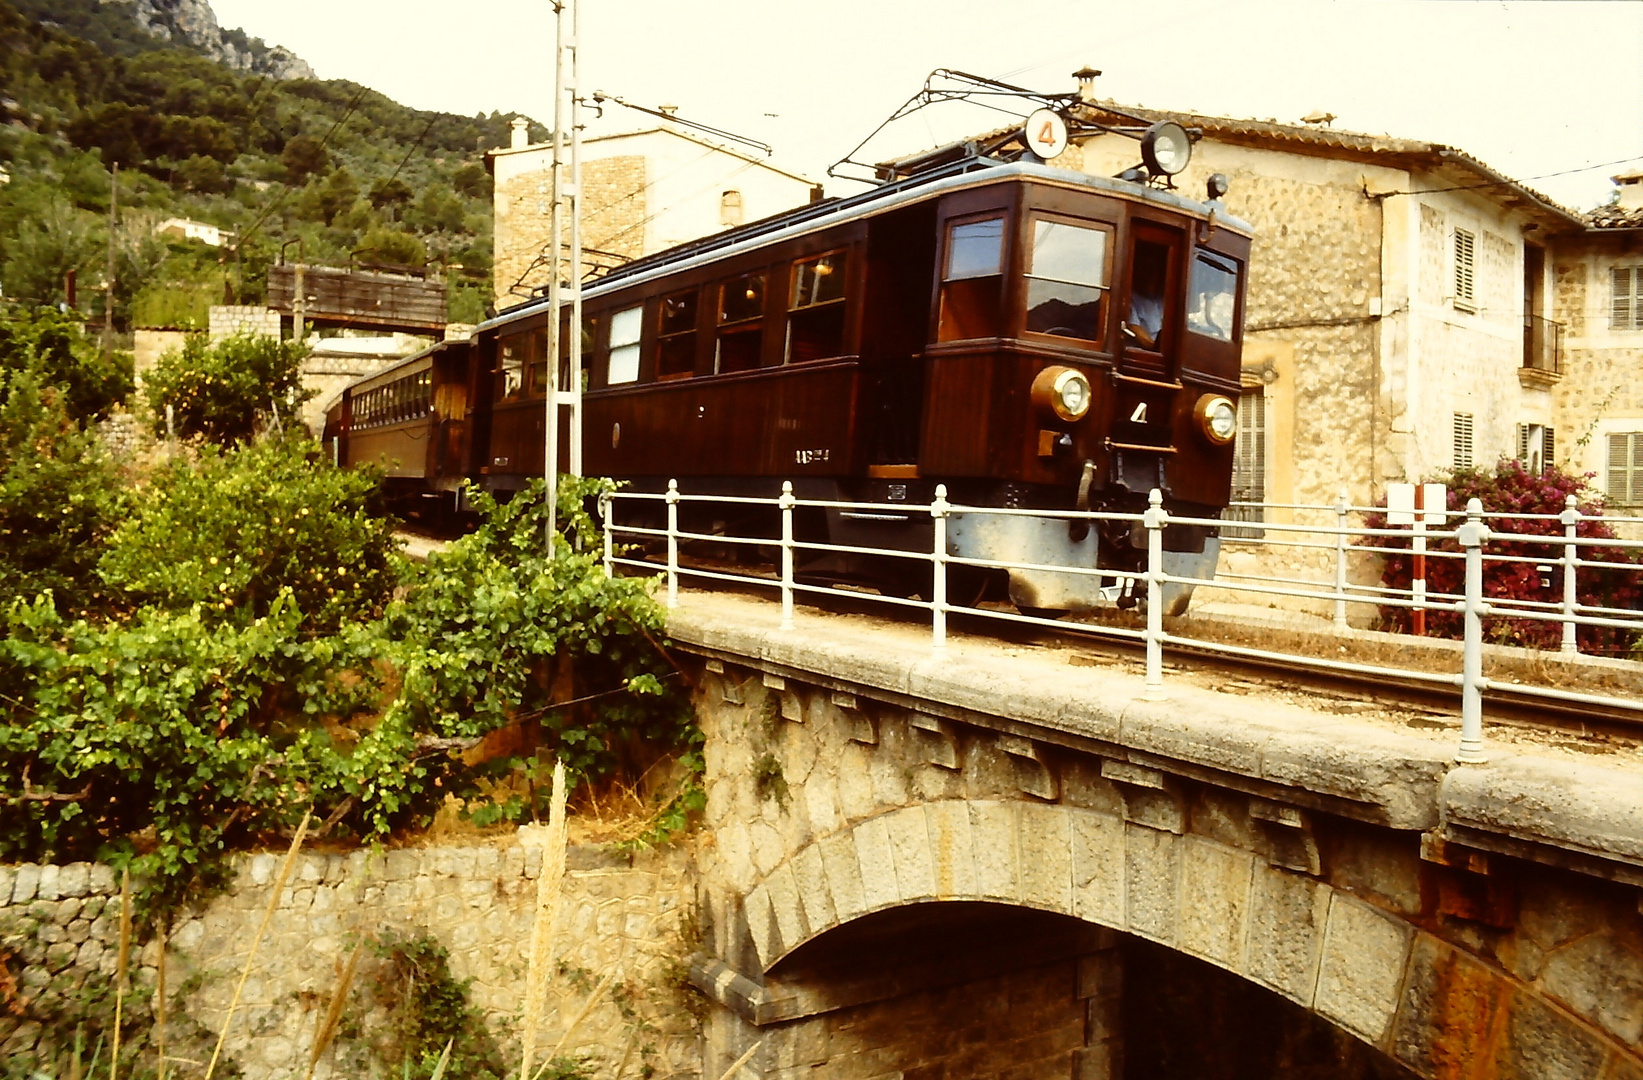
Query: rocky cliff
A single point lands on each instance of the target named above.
(193, 23)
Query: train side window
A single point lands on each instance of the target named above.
(510, 375)
(1066, 279)
(676, 336)
(815, 310)
(1149, 284)
(741, 324)
(1212, 296)
(590, 340)
(971, 278)
(536, 378)
(623, 362)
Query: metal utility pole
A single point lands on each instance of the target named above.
(108, 285)
(563, 196)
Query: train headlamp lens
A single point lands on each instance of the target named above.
(1166, 148)
(1217, 418)
(1062, 392)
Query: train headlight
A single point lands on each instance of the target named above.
(1166, 148)
(1063, 392)
(1217, 418)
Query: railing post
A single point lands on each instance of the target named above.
(786, 504)
(673, 543)
(1571, 559)
(1472, 536)
(607, 506)
(1154, 520)
(1341, 508)
(938, 588)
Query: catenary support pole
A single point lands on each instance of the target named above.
(556, 271)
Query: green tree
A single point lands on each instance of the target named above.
(303, 156)
(60, 497)
(53, 349)
(47, 246)
(220, 390)
(233, 530)
(390, 193)
(387, 245)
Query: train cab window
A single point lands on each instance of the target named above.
(741, 324)
(815, 311)
(1066, 279)
(1212, 296)
(510, 374)
(1149, 285)
(971, 278)
(676, 336)
(623, 359)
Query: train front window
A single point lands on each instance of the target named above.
(1149, 283)
(676, 336)
(815, 317)
(623, 363)
(510, 375)
(1212, 296)
(1066, 279)
(741, 324)
(971, 278)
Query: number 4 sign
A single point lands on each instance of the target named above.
(1046, 133)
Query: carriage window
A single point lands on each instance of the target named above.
(1212, 298)
(741, 324)
(624, 346)
(590, 338)
(1149, 281)
(1066, 279)
(971, 279)
(536, 374)
(676, 356)
(815, 320)
(510, 381)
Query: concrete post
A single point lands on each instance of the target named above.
(1571, 559)
(1154, 520)
(606, 506)
(1472, 536)
(938, 590)
(786, 504)
(673, 543)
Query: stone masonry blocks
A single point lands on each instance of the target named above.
(951, 848)
(1098, 868)
(810, 876)
(843, 869)
(1045, 843)
(993, 834)
(1287, 915)
(1448, 1012)
(875, 856)
(1215, 884)
(1361, 969)
(1152, 873)
(910, 847)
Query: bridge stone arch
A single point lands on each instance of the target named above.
(828, 810)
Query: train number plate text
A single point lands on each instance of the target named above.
(810, 457)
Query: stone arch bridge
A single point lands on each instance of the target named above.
(1002, 863)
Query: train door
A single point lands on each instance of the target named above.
(901, 255)
(1142, 430)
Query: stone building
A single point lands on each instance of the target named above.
(642, 191)
(1598, 277)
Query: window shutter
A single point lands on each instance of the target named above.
(1548, 444)
(1465, 269)
(1619, 486)
(1463, 440)
(1523, 444)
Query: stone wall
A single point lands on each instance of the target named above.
(615, 200)
(230, 319)
(628, 916)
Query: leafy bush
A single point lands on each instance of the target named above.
(234, 530)
(428, 1007)
(53, 347)
(60, 497)
(1509, 488)
(219, 390)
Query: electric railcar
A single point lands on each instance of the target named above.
(1028, 336)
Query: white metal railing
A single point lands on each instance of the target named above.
(1333, 544)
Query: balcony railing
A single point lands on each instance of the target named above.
(1542, 344)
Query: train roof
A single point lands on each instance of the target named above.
(832, 212)
(399, 367)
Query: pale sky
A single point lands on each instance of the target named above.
(1531, 88)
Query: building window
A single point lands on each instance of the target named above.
(1248, 465)
(623, 361)
(1623, 472)
(1463, 440)
(1626, 298)
(1465, 271)
(1535, 444)
(730, 208)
